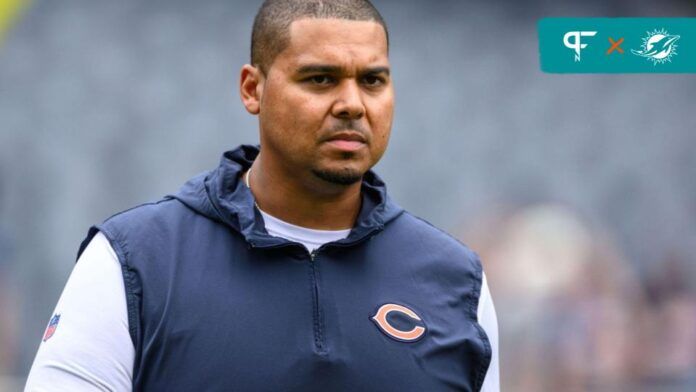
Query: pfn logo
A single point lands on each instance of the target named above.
(576, 45)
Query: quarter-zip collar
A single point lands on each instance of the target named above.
(221, 195)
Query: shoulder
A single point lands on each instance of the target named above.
(146, 211)
(146, 225)
(426, 231)
(415, 228)
(161, 216)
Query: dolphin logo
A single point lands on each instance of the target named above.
(658, 46)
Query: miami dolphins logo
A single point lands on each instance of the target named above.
(659, 47)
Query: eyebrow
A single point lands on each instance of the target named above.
(333, 69)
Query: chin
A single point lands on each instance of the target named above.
(345, 176)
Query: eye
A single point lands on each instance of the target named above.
(321, 80)
(373, 80)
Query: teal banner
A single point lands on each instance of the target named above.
(617, 45)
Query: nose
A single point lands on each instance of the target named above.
(349, 104)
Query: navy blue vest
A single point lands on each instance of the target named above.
(217, 304)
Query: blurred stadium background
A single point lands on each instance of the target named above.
(579, 191)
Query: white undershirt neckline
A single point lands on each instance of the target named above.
(310, 238)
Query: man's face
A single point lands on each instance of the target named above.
(327, 102)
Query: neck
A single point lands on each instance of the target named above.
(308, 202)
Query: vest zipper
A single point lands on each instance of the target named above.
(317, 314)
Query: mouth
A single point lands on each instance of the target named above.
(347, 141)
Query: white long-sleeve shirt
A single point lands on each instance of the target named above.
(91, 349)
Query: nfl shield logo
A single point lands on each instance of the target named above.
(52, 325)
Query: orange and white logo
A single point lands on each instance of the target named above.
(380, 319)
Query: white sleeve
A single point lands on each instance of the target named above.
(489, 322)
(90, 348)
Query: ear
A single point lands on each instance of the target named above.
(251, 88)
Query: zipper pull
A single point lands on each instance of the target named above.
(313, 254)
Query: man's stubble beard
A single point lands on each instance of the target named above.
(343, 176)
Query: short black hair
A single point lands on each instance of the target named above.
(271, 32)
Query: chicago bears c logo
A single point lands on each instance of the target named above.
(380, 319)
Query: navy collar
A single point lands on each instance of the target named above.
(222, 195)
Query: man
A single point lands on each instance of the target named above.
(286, 268)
